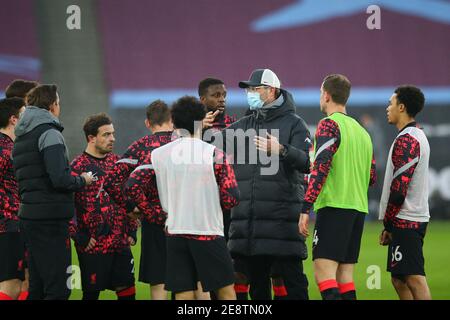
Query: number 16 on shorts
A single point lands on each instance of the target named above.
(396, 256)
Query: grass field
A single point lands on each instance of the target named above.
(437, 265)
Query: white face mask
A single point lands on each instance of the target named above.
(254, 100)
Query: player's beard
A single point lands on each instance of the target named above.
(214, 109)
(105, 150)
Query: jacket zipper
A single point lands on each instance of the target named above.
(252, 216)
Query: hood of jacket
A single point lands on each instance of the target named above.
(274, 112)
(33, 117)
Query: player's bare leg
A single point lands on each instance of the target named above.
(325, 271)
(11, 288)
(226, 293)
(402, 289)
(419, 287)
(200, 294)
(185, 295)
(344, 273)
(344, 277)
(157, 292)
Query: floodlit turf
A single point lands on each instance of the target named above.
(373, 256)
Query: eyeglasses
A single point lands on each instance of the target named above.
(254, 89)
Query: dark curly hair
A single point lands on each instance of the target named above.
(412, 97)
(9, 107)
(94, 122)
(185, 111)
(205, 84)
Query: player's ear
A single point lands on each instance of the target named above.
(327, 96)
(273, 92)
(91, 138)
(147, 123)
(13, 120)
(401, 107)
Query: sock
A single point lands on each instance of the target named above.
(23, 296)
(90, 295)
(329, 290)
(347, 291)
(241, 291)
(279, 292)
(127, 294)
(4, 296)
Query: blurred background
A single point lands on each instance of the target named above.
(129, 53)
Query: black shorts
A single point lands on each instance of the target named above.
(405, 252)
(152, 267)
(337, 235)
(189, 261)
(12, 252)
(106, 271)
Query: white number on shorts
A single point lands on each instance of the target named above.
(315, 238)
(396, 254)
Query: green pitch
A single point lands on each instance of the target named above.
(372, 259)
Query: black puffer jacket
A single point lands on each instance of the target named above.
(42, 169)
(266, 220)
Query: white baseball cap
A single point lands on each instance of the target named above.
(261, 77)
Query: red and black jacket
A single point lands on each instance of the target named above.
(96, 214)
(9, 191)
(134, 156)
